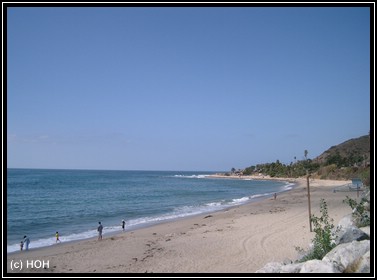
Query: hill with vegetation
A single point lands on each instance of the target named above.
(352, 152)
(350, 159)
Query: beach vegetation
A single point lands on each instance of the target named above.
(359, 210)
(324, 239)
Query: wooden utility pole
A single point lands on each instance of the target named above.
(310, 213)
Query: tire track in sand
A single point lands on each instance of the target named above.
(265, 238)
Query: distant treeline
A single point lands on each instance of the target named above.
(335, 167)
(350, 159)
(278, 169)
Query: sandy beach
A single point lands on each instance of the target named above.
(238, 240)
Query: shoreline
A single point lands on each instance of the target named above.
(237, 239)
(139, 227)
(112, 230)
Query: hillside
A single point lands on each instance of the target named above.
(352, 152)
(350, 159)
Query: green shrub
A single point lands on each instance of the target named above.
(359, 213)
(323, 239)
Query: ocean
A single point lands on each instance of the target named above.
(72, 202)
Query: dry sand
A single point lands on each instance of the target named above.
(238, 240)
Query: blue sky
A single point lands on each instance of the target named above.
(183, 88)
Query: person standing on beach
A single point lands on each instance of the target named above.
(57, 237)
(123, 224)
(22, 245)
(26, 242)
(99, 229)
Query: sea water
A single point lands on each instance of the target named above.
(72, 202)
